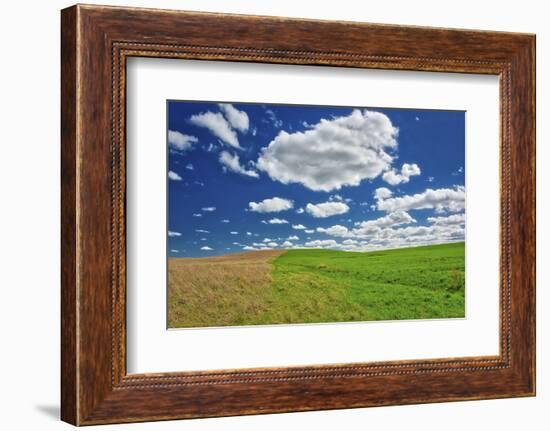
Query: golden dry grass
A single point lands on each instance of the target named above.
(225, 289)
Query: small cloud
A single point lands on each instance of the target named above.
(209, 209)
(174, 176)
(247, 247)
(218, 125)
(180, 142)
(197, 215)
(267, 240)
(273, 118)
(211, 147)
(206, 248)
(232, 163)
(430, 179)
(382, 193)
(199, 183)
(249, 233)
(277, 221)
(272, 244)
(407, 171)
(293, 238)
(286, 244)
(172, 233)
(417, 118)
(327, 209)
(300, 211)
(271, 205)
(459, 171)
(201, 231)
(298, 226)
(234, 233)
(238, 119)
(190, 167)
(309, 230)
(173, 250)
(225, 220)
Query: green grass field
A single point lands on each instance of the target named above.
(312, 286)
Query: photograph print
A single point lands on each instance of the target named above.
(301, 214)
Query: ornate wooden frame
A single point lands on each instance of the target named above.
(95, 42)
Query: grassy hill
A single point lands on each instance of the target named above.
(312, 286)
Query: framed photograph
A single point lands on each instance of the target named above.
(267, 215)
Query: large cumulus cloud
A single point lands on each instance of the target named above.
(334, 153)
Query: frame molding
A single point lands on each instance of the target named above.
(96, 41)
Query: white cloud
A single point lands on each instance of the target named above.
(321, 243)
(206, 248)
(190, 167)
(277, 221)
(298, 227)
(382, 193)
(334, 153)
(209, 209)
(201, 231)
(448, 220)
(225, 220)
(441, 200)
(218, 125)
(300, 211)
(267, 240)
(232, 163)
(234, 233)
(237, 119)
(249, 233)
(459, 171)
(174, 176)
(336, 230)
(272, 244)
(407, 171)
(173, 233)
(389, 231)
(173, 250)
(391, 237)
(430, 179)
(293, 238)
(271, 205)
(392, 219)
(368, 228)
(180, 142)
(247, 247)
(327, 209)
(274, 120)
(197, 215)
(309, 230)
(286, 244)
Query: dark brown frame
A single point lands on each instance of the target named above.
(96, 41)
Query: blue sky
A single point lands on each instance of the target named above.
(260, 176)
